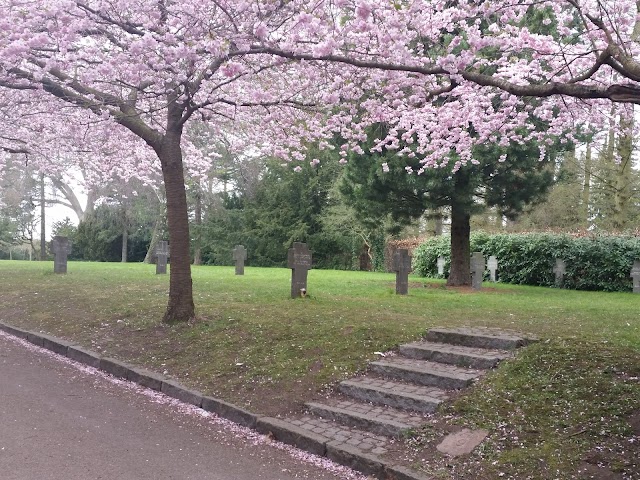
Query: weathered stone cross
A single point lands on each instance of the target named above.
(440, 263)
(61, 248)
(240, 255)
(559, 270)
(299, 261)
(162, 252)
(477, 270)
(635, 274)
(492, 266)
(402, 267)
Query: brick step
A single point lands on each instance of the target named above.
(400, 395)
(320, 430)
(422, 372)
(454, 354)
(478, 338)
(376, 419)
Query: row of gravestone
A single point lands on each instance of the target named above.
(478, 268)
(299, 261)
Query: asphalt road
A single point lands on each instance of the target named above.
(60, 422)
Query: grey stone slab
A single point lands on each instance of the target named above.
(354, 458)
(462, 442)
(182, 393)
(291, 434)
(391, 394)
(402, 267)
(454, 354)
(230, 412)
(84, 356)
(56, 345)
(300, 262)
(399, 472)
(115, 367)
(393, 426)
(61, 248)
(146, 378)
(478, 337)
(426, 373)
(15, 331)
(239, 256)
(35, 338)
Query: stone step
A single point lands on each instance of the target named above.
(478, 338)
(424, 372)
(341, 434)
(400, 395)
(376, 419)
(454, 354)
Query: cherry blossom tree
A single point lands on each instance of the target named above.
(442, 75)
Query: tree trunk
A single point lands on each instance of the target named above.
(43, 240)
(197, 250)
(155, 237)
(586, 188)
(622, 179)
(125, 241)
(460, 273)
(461, 206)
(180, 307)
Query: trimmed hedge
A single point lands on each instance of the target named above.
(593, 263)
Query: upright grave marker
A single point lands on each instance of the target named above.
(402, 267)
(299, 261)
(492, 266)
(162, 252)
(635, 274)
(477, 270)
(559, 270)
(239, 255)
(441, 263)
(61, 248)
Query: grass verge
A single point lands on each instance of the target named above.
(256, 347)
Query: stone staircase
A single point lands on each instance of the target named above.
(398, 392)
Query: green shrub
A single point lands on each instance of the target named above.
(593, 263)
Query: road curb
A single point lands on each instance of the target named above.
(276, 428)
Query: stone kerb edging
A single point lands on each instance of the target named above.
(280, 430)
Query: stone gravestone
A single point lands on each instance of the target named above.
(61, 248)
(492, 266)
(559, 269)
(477, 270)
(635, 274)
(299, 261)
(441, 263)
(239, 255)
(402, 267)
(162, 252)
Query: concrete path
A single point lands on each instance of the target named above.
(59, 421)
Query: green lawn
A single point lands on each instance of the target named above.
(258, 348)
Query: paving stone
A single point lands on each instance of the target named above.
(180, 392)
(366, 417)
(15, 331)
(462, 442)
(115, 367)
(86, 357)
(287, 432)
(35, 338)
(56, 345)
(454, 354)
(229, 411)
(366, 441)
(479, 337)
(426, 373)
(352, 457)
(398, 472)
(146, 378)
